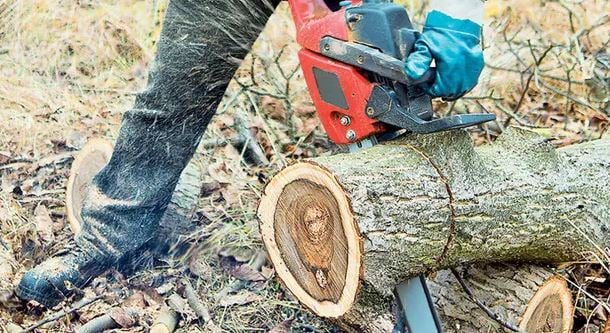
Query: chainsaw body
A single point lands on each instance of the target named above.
(352, 58)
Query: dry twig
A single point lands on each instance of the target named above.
(77, 306)
(107, 321)
(195, 303)
(166, 321)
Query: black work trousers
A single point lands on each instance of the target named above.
(201, 45)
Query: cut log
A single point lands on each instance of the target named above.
(175, 223)
(511, 292)
(90, 160)
(551, 309)
(337, 225)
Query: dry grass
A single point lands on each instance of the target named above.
(68, 69)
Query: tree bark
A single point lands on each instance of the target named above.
(507, 290)
(343, 230)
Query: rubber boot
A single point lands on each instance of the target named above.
(201, 45)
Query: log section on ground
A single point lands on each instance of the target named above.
(551, 309)
(369, 220)
(175, 223)
(520, 295)
(90, 160)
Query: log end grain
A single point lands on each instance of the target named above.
(90, 160)
(551, 309)
(308, 227)
(175, 224)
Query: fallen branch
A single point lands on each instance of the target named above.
(166, 321)
(109, 321)
(195, 303)
(77, 306)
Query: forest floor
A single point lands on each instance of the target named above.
(69, 69)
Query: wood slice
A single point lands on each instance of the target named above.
(550, 310)
(311, 237)
(90, 160)
(175, 223)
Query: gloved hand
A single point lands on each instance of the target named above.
(455, 45)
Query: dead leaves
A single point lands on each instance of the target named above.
(5, 157)
(246, 272)
(242, 298)
(246, 264)
(125, 317)
(199, 266)
(273, 108)
(6, 261)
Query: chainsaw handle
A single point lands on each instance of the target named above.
(372, 60)
(427, 79)
(407, 38)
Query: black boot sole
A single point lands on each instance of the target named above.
(46, 300)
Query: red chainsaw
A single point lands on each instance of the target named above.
(352, 58)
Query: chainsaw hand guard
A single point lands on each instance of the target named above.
(384, 107)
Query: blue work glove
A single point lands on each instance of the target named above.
(455, 45)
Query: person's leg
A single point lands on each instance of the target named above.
(201, 45)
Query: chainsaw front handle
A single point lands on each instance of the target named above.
(372, 60)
